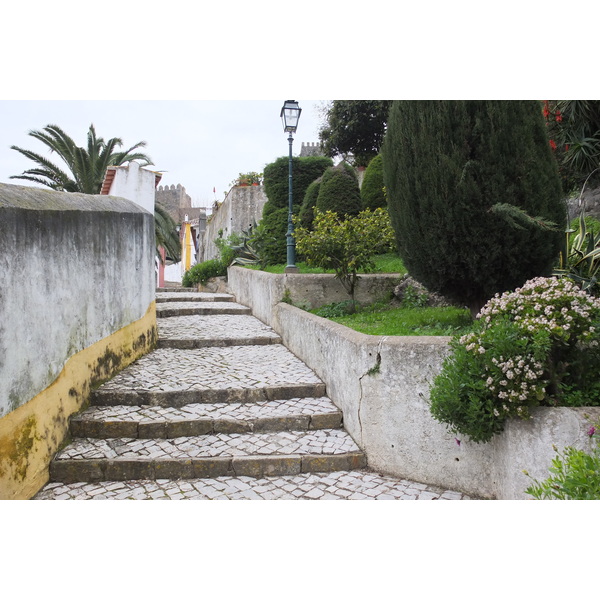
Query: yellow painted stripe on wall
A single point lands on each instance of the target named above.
(32, 434)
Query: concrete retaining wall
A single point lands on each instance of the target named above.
(382, 386)
(76, 304)
(263, 290)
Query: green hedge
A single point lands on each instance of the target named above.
(371, 191)
(339, 191)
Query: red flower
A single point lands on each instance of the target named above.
(566, 147)
(553, 144)
(558, 116)
(546, 109)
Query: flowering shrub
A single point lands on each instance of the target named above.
(535, 346)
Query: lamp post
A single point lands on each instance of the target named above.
(290, 115)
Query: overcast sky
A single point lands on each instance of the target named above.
(202, 144)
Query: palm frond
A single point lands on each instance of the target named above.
(166, 234)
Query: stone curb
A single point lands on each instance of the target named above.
(102, 429)
(71, 471)
(190, 344)
(196, 298)
(179, 398)
(201, 310)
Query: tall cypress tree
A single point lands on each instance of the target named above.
(471, 187)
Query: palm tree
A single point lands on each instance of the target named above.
(85, 171)
(166, 234)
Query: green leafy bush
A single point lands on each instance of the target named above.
(538, 345)
(204, 271)
(575, 474)
(346, 245)
(272, 229)
(225, 246)
(305, 170)
(270, 235)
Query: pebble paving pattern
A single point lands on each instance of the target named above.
(192, 327)
(284, 443)
(340, 485)
(175, 308)
(242, 367)
(233, 410)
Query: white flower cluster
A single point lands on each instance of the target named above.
(555, 305)
(515, 380)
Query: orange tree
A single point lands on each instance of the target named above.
(346, 246)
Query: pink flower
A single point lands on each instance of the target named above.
(457, 441)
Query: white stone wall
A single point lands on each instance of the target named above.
(74, 269)
(241, 208)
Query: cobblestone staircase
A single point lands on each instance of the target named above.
(221, 409)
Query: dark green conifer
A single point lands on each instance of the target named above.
(274, 223)
(471, 186)
(371, 191)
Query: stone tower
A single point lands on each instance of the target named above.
(177, 203)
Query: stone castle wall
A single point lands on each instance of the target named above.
(241, 208)
(177, 203)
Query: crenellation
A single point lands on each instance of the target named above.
(311, 149)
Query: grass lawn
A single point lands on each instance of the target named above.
(388, 320)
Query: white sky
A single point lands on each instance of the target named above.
(201, 144)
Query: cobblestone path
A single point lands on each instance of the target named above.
(220, 410)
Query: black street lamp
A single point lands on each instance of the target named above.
(290, 115)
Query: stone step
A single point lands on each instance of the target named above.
(337, 485)
(193, 297)
(176, 377)
(296, 414)
(178, 289)
(198, 331)
(176, 309)
(214, 455)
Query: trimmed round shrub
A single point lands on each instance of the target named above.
(339, 192)
(307, 211)
(271, 235)
(273, 225)
(304, 171)
(371, 191)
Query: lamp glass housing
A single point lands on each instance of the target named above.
(290, 115)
